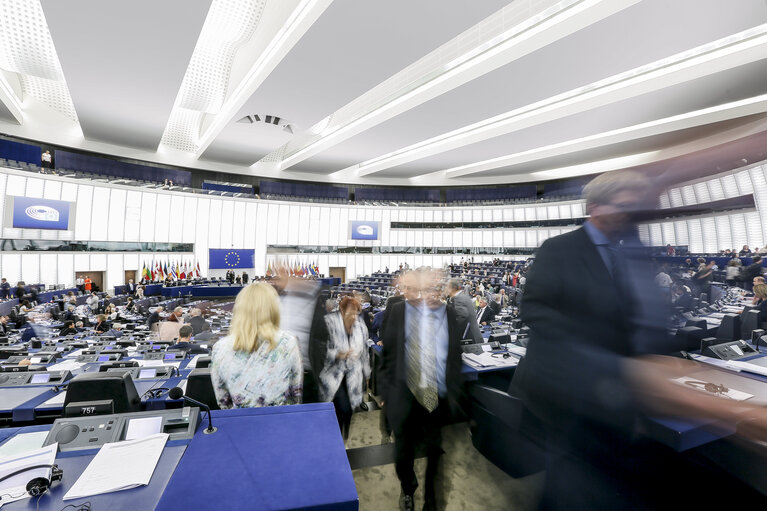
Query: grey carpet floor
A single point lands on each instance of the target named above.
(471, 482)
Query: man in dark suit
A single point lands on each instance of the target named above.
(154, 317)
(421, 383)
(583, 376)
(197, 322)
(465, 312)
(131, 287)
(485, 313)
(5, 289)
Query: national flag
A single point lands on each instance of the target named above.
(199, 273)
(152, 271)
(144, 273)
(182, 270)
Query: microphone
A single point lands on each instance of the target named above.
(177, 393)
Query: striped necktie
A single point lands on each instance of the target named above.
(421, 360)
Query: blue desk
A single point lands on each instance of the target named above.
(152, 289)
(287, 457)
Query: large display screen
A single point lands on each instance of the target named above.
(31, 213)
(363, 230)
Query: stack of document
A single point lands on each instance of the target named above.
(120, 466)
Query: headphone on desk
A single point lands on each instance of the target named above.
(39, 485)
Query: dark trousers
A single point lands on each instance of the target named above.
(344, 409)
(420, 427)
(311, 390)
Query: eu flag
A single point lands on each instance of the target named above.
(224, 258)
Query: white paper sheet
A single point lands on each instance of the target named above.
(712, 389)
(143, 427)
(119, 466)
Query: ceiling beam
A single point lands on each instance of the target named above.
(489, 54)
(727, 111)
(729, 52)
(9, 98)
(297, 24)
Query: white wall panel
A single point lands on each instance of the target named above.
(66, 269)
(201, 235)
(100, 214)
(710, 241)
(214, 224)
(669, 237)
(130, 261)
(739, 234)
(189, 219)
(723, 232)
(116, 230)
(744, 182)
(701, 192)
(11, 267)
(30, 268)
(282, 221)
(148, 216)
(227, 221)
(675, 197)
(98, 262)
(84, 213)
(115, 271)
(49, 270)
(343, 227)
(176, 218)
(262, 220)
(303, 227)
(133, 216)
(754, 231)
(82, 262)
(294, 215)
(162, 218)
(35, 187)
(249, 224)
(644, 234)
(715, 189)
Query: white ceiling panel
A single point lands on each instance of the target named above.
(124, 62)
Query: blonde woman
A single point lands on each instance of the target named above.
(257, 364)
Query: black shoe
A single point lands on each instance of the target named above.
(406, 502)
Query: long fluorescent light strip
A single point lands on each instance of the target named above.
(758, 104)
(633, 75)
(455, 67)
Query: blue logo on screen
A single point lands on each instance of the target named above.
(364, 230)
(30, 213)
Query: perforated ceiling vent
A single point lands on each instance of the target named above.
(268, 119)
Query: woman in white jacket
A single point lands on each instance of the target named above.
(347, 365)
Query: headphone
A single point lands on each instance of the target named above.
(39, 485)
(501, 355)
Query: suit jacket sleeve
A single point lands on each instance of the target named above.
(391, 345)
